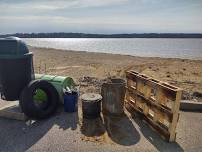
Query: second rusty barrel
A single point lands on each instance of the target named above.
(113, 93)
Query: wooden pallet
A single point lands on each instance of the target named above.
(158, 102)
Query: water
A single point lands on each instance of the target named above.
(161, 47)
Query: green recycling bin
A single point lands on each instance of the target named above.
(59, 82)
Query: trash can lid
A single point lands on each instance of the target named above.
(12, 46)
(91, 97)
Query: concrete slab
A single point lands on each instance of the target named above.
(11, 110)
(187, 105)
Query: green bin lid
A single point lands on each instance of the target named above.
(12, 46)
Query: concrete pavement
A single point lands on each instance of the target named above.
(63, 132)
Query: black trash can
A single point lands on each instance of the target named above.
(16, 67)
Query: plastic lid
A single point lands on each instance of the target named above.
(12, 46)
(91, 97)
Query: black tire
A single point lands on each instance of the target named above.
(27, 102)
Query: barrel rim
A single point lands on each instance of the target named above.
(115, 81)
(87, 97)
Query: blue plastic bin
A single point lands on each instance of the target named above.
(70, 101)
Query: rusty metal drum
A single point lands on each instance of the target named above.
(113, 93)
(91, 105)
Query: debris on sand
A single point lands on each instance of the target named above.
(87, 81)
(194, 96)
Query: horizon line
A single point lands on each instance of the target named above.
(101, 33)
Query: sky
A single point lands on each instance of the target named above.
(101, 16)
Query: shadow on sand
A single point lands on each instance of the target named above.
(121, 130)
(17, 136)
(92, 127)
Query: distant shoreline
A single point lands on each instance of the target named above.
(86, 35)
(105, 53)
(165, 48)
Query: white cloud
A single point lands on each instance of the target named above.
(130, 22)
(95, 3)
(55, 5)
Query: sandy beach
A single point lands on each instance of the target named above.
(89, 69)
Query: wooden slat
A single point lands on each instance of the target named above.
(175, 111)
(152, 104)
(152, 81)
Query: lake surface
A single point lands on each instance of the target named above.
(155, 47)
